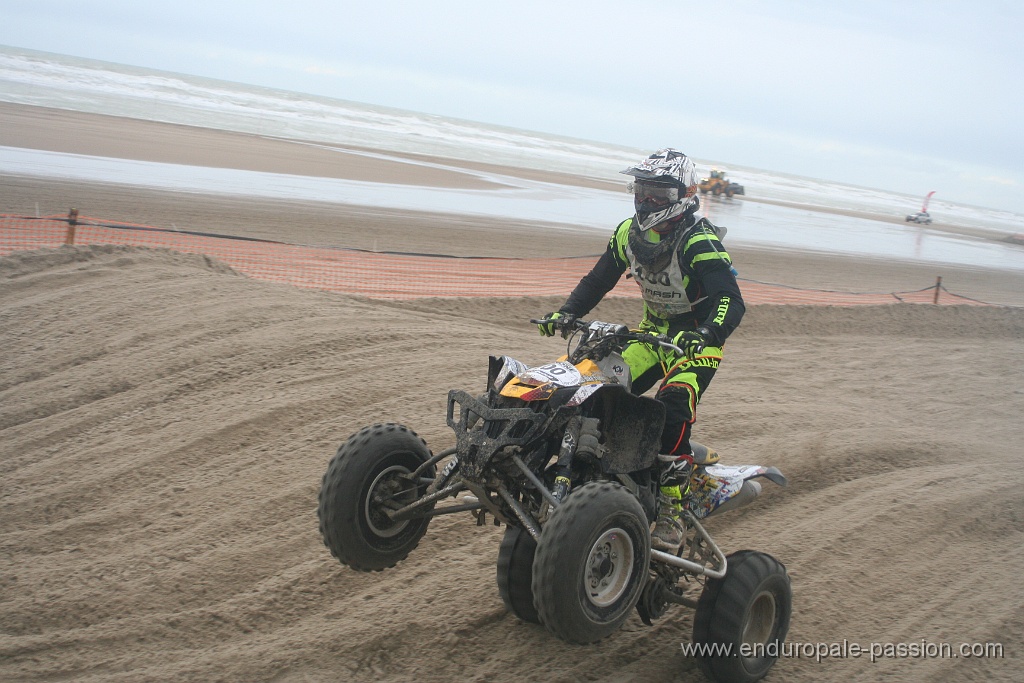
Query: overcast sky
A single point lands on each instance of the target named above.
(902, 95)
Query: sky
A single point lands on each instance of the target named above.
(902, 95)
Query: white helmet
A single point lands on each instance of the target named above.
(665, 187)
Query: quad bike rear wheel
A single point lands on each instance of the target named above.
(746, 612)
(515, 573)
(366, 477)
(591, 562)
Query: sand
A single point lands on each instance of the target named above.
(166, 422)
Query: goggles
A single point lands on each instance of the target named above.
(658, 192)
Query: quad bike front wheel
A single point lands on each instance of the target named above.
(515, 573)
(591, 562)
(743, 618)
(367, 477)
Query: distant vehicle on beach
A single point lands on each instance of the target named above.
(922, 216)
(717, 184)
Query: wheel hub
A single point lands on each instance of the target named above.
(384, 488)
(760, 620)
(609, 567)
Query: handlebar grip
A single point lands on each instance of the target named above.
(565, 321)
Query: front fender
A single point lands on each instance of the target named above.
(631, 428)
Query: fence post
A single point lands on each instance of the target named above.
(938, 286)
(72, 222)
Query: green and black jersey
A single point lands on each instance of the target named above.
(696, 287)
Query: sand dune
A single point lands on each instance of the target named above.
(165, 424)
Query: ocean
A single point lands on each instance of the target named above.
(65, 82)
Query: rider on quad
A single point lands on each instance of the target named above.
(690, 294)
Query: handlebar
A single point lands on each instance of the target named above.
(599, 333)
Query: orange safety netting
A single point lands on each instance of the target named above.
(390, 275)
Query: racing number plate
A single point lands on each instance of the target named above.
(562, 373)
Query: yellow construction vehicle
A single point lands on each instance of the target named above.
(717, 184)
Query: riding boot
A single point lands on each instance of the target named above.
(674, 477)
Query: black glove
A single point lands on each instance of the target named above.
(692, 342)
(548, 329)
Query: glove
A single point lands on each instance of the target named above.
(692, 342)
(548, 329)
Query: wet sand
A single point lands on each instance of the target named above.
(330, 224)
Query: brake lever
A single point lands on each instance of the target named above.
(662, 341)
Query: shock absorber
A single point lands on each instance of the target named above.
(563, 466)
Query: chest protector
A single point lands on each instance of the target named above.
(662, 280)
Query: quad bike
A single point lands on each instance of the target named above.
(564, 455)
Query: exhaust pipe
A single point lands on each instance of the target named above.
(748, 492)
